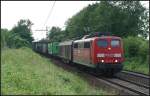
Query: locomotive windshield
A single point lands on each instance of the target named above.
(102, 43)
(112, 43)
(115, 43)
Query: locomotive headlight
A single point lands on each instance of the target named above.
(117, 55)
(102, 61)
(116, 60)
(100, 55)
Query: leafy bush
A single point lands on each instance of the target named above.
(136, 54)
(135, 46)
(144, 50)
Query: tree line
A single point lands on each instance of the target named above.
(120, 18)
(19, 36)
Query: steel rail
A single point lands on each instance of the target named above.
(136, 78)
(130, 86)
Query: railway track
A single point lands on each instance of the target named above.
(123, 83)
(128, 86)
(136, 78)
(129, 82)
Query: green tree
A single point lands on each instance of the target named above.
(4, 37)
(23, 29)
(11, 40)
(120, 18)
(136, 18)
(54, 34)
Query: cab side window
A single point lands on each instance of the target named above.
(76, 45)
(87, 45)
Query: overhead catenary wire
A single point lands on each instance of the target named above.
(50, 12)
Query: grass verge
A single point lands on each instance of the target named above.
(25, 72)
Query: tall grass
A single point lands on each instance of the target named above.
(25, 72)
(137, 65)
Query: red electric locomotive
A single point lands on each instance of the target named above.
(104, 53)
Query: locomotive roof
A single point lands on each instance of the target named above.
(114, 37)
(93, 38)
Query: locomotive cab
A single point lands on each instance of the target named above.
(109, 53)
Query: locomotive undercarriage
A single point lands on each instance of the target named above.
(109, 69)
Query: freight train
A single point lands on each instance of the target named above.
(104, 54)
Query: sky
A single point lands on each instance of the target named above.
(38, 12)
